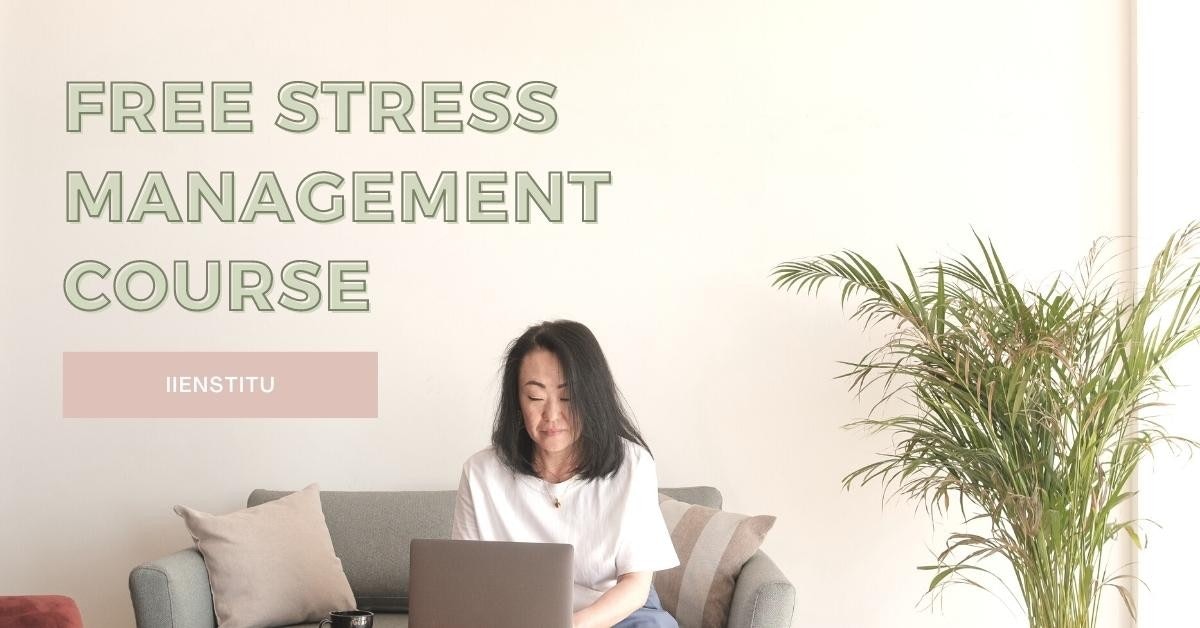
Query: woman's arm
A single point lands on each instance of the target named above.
(619, 602)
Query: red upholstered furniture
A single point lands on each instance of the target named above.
(39, 611)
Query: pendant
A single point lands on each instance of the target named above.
(556, 503)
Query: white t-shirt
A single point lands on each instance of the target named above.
(613, 523)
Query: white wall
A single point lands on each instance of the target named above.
(1168, 133)
(739, 134)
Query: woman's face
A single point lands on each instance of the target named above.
(546, 403)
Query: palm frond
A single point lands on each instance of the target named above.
(1023, 404)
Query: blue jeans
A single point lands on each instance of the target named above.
(651, 615)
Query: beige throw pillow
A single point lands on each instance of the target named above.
(272, 564)
(712, 546)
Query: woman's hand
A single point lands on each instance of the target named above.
(619, 602)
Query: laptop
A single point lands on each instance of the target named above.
(490, 584)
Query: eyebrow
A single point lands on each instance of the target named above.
(541, 385)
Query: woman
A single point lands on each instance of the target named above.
(567, 465)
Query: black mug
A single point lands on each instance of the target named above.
(348, 619)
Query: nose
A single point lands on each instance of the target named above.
(554, 409)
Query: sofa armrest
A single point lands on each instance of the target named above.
(172, 592)
(762, 597)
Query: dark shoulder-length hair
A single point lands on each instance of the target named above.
(603, 421)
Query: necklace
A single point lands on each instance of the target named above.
(569, 485)
(546, 485)
(550, 494)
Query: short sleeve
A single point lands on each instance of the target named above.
(464, 526)
(645, 544)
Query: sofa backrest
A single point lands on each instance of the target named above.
(371, 532)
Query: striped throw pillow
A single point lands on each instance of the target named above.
(712, 546)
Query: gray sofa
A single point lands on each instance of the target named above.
(371, 533)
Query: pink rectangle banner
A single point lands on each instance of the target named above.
(220, 385)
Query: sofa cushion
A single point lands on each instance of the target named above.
(712, 545)
(371, 531)
(271, 564)
(706, 496)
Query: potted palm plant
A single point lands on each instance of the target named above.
(1023, 405)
